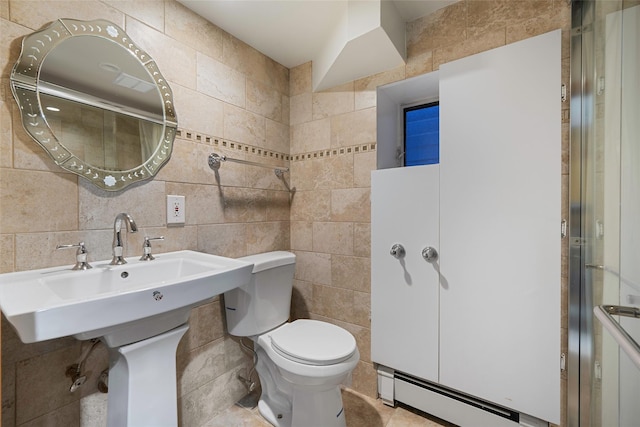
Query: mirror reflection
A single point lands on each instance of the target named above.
(98, 72)
(95, 102)
(103, 138)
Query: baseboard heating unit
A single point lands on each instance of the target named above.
(449, 405)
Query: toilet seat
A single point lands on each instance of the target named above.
(312, 342)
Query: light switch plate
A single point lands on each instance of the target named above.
(175, 210)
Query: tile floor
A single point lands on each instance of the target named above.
(360, 410)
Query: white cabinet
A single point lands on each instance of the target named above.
(488, 324)
(405, 210)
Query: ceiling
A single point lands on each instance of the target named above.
(293, 32)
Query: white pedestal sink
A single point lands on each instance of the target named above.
(140, 310)
(142, 382)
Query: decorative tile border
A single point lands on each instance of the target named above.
(333, 152)
(224, 143)
(312, 155)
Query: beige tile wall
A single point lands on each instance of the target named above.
(230, 99)
(227, 91)
(333, 137)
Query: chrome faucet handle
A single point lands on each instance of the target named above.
(146, 248)
(81, 256)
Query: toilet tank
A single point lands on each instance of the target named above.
(265, 302)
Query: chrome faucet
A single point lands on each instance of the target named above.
(118, 250)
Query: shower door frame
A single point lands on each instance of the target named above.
(580, 295)
(588, 261)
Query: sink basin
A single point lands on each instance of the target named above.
(140, 310)
(120, 303)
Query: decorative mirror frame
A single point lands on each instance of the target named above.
(24, 85)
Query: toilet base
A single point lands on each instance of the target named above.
(281, 419)
(318, 408)
(310, 409)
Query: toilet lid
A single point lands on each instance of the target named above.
(313, 342)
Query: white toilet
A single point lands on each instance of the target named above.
(301, 364)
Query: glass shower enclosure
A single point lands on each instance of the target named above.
(604, 191)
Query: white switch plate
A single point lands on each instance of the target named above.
(175, 210)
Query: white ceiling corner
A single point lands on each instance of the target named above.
(293, 32)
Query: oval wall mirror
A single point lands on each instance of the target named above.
(95, 102)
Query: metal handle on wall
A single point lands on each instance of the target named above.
(605, 314)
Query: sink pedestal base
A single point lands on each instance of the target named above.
(142, 382)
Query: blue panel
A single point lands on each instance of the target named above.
(422, 135)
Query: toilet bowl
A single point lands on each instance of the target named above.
(301, 364)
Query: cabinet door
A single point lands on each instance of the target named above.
(500, 176)
(404, 291)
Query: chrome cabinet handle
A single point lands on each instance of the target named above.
(430, 254)
(397, 250)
